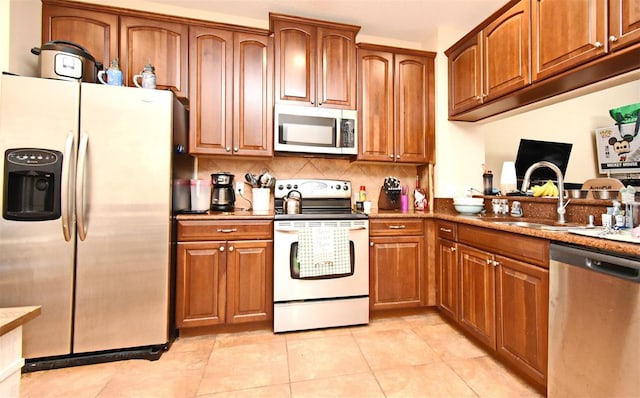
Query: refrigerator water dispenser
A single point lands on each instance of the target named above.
(31, 184)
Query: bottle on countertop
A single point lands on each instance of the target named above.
(419, 196)
(487, 180)
(362, 195)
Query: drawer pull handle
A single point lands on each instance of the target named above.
(448, 230)
(227, 230)
(397, 227)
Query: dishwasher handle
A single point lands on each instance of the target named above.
(604, 263)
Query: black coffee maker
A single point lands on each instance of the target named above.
(223, 197)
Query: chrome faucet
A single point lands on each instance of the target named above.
(561, 204)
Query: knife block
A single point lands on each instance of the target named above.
(389, 199)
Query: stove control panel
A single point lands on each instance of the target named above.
(314, 188)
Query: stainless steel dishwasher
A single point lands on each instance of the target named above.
(594, 323)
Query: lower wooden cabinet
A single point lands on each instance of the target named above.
(396, 257)
(223, 281)
(522, 310)
(477, 294)
(495, 286)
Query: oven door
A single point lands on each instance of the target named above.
(288, 286)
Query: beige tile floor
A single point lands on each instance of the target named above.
(408, 356)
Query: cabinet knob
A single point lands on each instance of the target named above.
(228, 149)
(371, 244)
(221, 248)
(453, 248)
(496, 263)
(397, 156)
(391, 155)
(235, 149)
(489, 261)
(597, 44)
(230, 248)
(613, 38)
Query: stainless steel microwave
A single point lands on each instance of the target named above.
(315, 130)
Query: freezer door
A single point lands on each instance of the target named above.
(124, 213)
(36, 262)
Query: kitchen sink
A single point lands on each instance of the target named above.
(535, 223)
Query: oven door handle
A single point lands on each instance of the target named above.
(296, 230)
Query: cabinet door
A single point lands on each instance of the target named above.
(336, 69)
(447, 278)
(200, 284)
(477, 294)
(211, 109)
(414, 97)
(295, 63)
(252, 86)
(506, 52)
(624, 23)
(375, 105)
(396, 272)
(249, 281)
(465, 76)
(163, 44)
(523, 313)
(95, 31)
(566, 34)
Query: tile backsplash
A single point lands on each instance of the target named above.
(359, 173)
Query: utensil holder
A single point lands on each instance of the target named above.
(389, 199)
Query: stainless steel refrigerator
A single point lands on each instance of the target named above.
(95, 251)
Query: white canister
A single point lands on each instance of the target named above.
(261, 198)
(200, 194)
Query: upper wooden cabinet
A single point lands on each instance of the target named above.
(566, 34)
(396, 104)
(161, 43)
(315, 62)
(491, 63)
(573, 44)
(96, 31)
(231, 96)
(624, 23)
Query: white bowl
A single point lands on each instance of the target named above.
(465, 200)
(468, 209)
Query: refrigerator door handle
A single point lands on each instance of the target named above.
(65, 193)
(80, 186)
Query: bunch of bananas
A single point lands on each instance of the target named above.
(548, 189)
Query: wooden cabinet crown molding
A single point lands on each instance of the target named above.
(120, 11)
(316, 22)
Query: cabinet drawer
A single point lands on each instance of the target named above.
(194, 230)
(396, 226)
(520, 247)
(447, 230)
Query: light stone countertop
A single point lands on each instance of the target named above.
(12, 317)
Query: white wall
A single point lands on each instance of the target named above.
(5, 10)
(459, 145)
(573, 121)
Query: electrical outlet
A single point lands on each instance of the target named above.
(240, 187)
